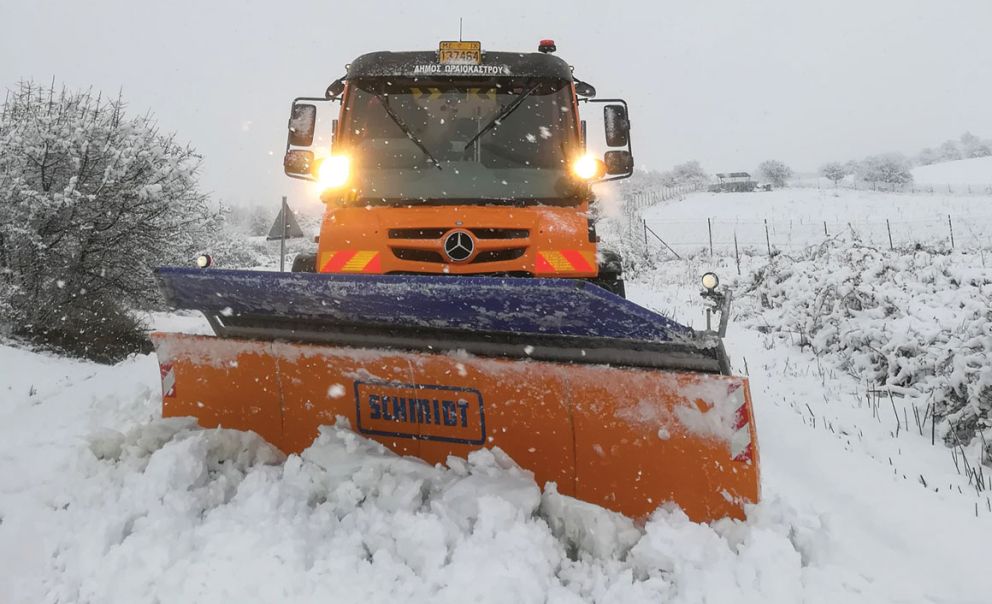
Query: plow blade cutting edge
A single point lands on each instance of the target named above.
(619, 406)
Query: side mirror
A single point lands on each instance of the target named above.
(617, 125)
(619, 162)
(302, 123)
(298, 162)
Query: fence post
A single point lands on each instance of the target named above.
(737, 254)
(709, 226)
(644, 223)
(950, 227)
(825, 233)
(768, 241)
(889, 229)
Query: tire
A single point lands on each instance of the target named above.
(611, 274)
(305, 263)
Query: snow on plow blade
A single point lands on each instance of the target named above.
(619, 406)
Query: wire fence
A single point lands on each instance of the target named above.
(645, 199)
(770, 235)
(911, 188)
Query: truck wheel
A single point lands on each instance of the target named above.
(611, 273)
(305, 263)
(611, 282)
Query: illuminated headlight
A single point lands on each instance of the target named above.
(333, 171)
(204, 260)
(588, 167)
(710, 281)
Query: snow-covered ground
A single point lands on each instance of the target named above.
(101, 502)
(976, 172)
(796, 218)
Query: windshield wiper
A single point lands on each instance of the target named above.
(502, 115)
(384, 99)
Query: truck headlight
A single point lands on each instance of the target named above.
(588, 167)
(333, 171)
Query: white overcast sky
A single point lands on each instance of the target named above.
(728, 82)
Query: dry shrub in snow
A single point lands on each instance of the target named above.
(918, 322)
(91, 200)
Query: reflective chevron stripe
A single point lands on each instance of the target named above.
(740, 442)
(350, 261)
(551, 262)
(168, 380)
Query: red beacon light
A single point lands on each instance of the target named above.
(546, 46)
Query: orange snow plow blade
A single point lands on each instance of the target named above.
(626, 438)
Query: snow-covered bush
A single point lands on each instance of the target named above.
(918, 322)
(775, 172)
(91, 200)
(834, 171)
(888, 168)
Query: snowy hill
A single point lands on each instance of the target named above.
(102, 502)
(976, 172)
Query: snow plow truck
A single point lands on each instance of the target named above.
(458, 297)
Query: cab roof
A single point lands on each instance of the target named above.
(425, 64)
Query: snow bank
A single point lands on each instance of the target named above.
(171, 513)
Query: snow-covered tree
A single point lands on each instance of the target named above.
(889, 168)
(775, 172)
(91, 200)
(972, 146)
(950, 151)
(928, 156)
(689, 173)
(834, 171)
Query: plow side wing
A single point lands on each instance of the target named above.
(628, 439)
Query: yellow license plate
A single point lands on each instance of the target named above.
(460, 53)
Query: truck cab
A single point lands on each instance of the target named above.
(459, 162)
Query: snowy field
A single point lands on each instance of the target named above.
(976, 172)
(796, 218)
(102, 502)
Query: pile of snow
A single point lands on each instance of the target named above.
(976, 172)
(918, 324)
(142, 511)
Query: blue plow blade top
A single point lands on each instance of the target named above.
(566, 307)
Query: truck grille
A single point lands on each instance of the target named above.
(499, 255)
(438, 232)
(426, 233)
(415, 255)
(501, 233)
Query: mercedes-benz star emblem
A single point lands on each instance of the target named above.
(458, 246)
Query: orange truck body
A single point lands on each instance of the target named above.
(541, 241)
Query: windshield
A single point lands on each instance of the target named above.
(420, 141)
